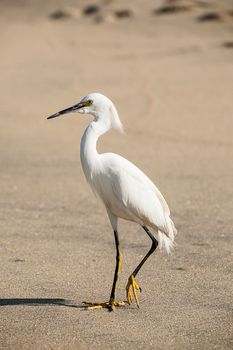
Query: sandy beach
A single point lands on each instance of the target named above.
(168, 68)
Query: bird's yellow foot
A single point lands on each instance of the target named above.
(132, 283)
(110, 305)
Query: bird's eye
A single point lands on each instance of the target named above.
(89, 102)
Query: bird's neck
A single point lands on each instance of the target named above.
(88, 152)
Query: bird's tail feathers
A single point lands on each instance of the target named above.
(166, 240)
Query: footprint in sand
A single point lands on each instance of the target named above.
(59, 14)
(210, 17)
(172, 7)
(228, 44)
(91, 10)
(121, 14)
(112, 16)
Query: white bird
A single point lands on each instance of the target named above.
(125, 191)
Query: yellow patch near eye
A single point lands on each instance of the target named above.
(88, 103)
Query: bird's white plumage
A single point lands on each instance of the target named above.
(124, 189)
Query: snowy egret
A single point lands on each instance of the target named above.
(124, 189)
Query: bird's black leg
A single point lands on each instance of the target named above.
(131, 280)
(152, 249)
(118, 266)
(111, 304)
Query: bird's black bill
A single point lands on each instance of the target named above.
(67, 110)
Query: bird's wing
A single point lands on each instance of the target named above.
(135, 191)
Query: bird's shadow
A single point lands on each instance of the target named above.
(39, 302)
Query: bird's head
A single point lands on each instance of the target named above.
(97, 105)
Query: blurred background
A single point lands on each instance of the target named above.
(168, 68)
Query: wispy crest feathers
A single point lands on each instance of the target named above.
(115, 120)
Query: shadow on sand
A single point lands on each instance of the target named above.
(38, 301)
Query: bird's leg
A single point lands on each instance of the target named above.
(118, 266)
(111, 304)
(131, 281)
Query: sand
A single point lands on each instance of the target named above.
(170, 74)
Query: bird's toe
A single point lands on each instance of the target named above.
(110, 305)
(135, 287)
